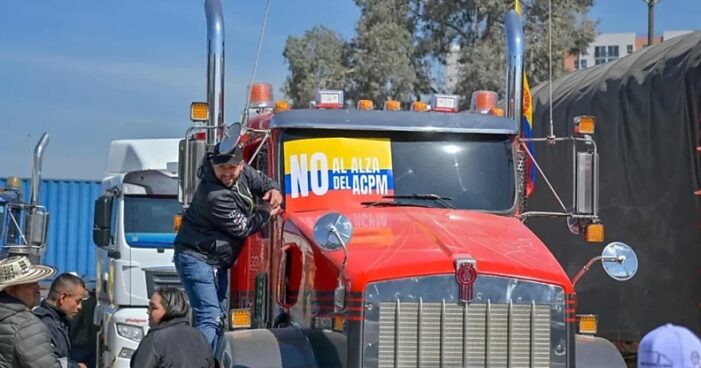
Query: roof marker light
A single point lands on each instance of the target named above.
(419, 106)
(365, 105)
(393, 105)
(281, 106)
(444, 103)
(329, 99)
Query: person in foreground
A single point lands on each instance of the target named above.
(58, 309)
(223, 213)
(171, 342)
(25, 342)
(669, 346)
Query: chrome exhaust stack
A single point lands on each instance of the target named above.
(515, 46)
(192, 150)
(36, 217)
(215, 70)
(36, 167)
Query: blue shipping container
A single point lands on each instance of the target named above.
(70, 204)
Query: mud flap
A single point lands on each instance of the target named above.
(595, 352)
(267, 348)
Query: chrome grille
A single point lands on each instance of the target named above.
(420, 322)
(458, 335)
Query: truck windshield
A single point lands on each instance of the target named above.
(148, 221)
(333, 168)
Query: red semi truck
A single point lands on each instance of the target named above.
(401, 243)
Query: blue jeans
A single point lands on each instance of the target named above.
(207, 289)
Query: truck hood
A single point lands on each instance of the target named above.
(400, 242)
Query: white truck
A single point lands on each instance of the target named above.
(133, 229)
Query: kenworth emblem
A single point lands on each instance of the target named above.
(466, 274)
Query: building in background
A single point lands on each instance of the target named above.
(606, 47)
(611, 46)
(671, 34)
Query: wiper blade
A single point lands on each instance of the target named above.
(391, 203)
(431, 196)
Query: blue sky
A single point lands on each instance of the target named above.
(89, 72)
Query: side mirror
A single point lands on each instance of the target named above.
(232, 135)
(333, 231)
(587, 184)
(618, 260)
(101, 237)
(586, 193)
(37, 223)
(102, 221)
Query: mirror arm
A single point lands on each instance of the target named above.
(260, 146)
(340, 292)
(618, 259)
(585, 269)
(345, 253)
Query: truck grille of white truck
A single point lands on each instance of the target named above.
(161, 277)
(419, 322)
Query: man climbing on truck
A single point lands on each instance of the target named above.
(222, 214)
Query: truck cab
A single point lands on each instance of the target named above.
(435, 267)
(134, 233)
(425, 193)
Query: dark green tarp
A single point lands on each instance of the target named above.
(649, 110)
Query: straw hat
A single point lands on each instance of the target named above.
(18, 270)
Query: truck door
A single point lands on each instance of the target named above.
(250, 277)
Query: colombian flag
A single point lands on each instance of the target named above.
(527, 124)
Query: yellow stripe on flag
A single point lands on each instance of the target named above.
(527, 101)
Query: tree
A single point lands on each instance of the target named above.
(384, 61)
(316, 60)
(477, 27)
(397, 41)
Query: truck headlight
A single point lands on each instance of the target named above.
(131, 332)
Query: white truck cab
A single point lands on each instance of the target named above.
(133, 229)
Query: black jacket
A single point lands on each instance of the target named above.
(173, 344)
(24, 341)
(220, 218)
(59, 328)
